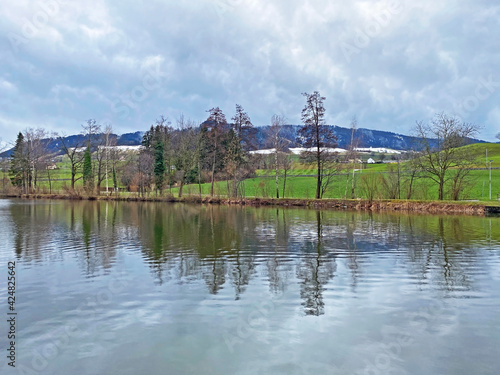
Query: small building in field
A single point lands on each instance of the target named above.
(370, 161)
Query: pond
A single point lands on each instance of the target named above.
(157, 288)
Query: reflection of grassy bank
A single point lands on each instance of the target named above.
(223, 245)
(407, 206)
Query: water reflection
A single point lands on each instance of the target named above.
(231, 290)
(315, 269)
(224, 246)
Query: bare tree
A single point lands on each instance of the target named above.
(91, 131)
(286, 163)
(370, 183)
(4, 167)
(315, 136)
(103, 146)
(441, 143)
(42, 157)
(278, 143)
(164, 131)
(350, 157)
(75, 156)
(411, 173)
(185, 149)
(145, 168)
(233, 160)
(331, 168)
(35, 144)
(390, 182)
(200, 156)
(109, 151)
(138, 175)
(33, 140)
(114, 156)
(100, 162)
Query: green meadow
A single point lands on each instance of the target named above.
(298, 186)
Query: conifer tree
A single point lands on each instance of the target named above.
(88, 175)
(115, 183)
(159, 167)
(19, 167)
(215, 134)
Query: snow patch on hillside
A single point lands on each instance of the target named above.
(381, 150)
(299, 150)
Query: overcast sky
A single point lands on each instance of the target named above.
(125, 63)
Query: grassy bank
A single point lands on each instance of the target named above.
(406, 206)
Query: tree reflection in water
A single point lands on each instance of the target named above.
(315, 270)
(230, 246)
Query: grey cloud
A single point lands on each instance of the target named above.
(98, 60)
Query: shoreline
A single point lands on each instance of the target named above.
(404, 206)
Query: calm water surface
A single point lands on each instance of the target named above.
(149, 288)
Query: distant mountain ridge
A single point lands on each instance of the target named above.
(366, 137)
(54, 144)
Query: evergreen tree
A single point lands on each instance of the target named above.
(161, 132)
(115, 183)
(19, 167)
(159, 168)
(214, 130)
(88, 175)
(243, 127)
(241, 139)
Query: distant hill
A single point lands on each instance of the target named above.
(54, 145)
(130, 139)
(367, 138)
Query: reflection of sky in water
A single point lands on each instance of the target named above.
(158, 288)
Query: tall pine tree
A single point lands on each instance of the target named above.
(214, 130)
(159, 167)
(115, 182)
(88, 175)
(19, 166)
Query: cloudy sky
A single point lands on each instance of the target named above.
(125, 63)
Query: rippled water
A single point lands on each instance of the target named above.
(151, 288)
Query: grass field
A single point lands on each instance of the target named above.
(305, 187)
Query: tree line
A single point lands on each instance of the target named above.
(219, 150)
